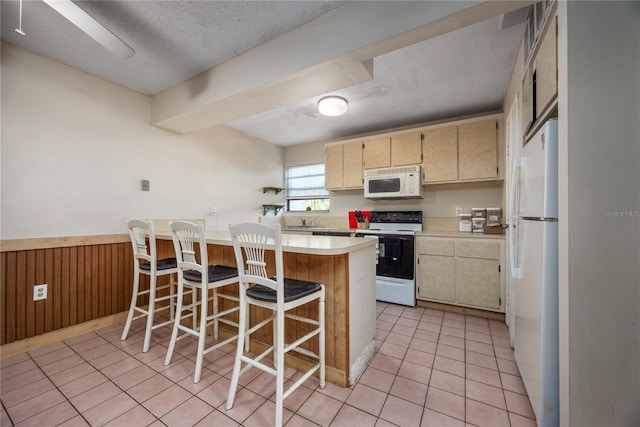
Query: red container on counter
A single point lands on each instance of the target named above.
(352, 218)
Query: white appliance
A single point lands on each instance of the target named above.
(534, 260)
(393, 183)
(396, 254)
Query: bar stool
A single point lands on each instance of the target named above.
(279, 294)
(195, 273)
(145, 263)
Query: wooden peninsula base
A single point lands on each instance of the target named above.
(346, 266)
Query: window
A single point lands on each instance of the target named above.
(305, 188)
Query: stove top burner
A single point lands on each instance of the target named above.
(407, 222)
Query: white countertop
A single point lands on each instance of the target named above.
(439, 233)
(458, 234)
(297, 243)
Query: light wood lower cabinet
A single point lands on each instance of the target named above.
(461, 271)
(437, 278)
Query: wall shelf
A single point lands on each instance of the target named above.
(276, 190)
(276, 208)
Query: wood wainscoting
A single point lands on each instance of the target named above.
(88, 277)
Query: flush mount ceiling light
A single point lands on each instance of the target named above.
(332, 106)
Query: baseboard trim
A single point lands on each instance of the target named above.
(27, 344)
(462, 310)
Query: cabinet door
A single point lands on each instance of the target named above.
(436, 278)
(377, 153)
(526, 102)
(546, 66)
(478, 150)
(406, 149)
(478, 282)
(440, 149)
(333, 155)
(352, 165)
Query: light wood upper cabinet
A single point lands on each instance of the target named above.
(333, 166)
(458, 151)
(343, 166)
(377, 153)
(352, 165)
(478, 150)
(466, 152)
(540, 82)
(406, 149)
(440, 149)
(527, 119)
(545, 65)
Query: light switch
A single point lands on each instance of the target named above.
(145, 185)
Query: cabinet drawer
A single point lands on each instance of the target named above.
(436, 247)
(484, 250)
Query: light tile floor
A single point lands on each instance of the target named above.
(431, 368)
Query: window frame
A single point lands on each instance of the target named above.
(321, 195)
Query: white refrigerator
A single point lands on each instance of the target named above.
(534, 262)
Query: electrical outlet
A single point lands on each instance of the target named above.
(212, 212)
(458, 211)
(40, 292)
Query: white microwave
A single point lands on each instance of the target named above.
(393, 183)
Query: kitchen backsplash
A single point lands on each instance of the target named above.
(289, 220)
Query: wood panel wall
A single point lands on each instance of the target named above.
(87, 279)
(332, 271)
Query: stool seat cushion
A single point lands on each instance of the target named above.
(162, 264)
(216, 272)
(293, 289)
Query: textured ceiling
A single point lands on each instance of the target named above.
(461, 72)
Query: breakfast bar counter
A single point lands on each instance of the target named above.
(346, 267)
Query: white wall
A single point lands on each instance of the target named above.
(599, 171)
(75, 148)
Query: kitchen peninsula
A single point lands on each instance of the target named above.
(346, 266)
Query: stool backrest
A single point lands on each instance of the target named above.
(250, 243)
(187, 237)
(139, 230)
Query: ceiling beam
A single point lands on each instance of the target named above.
(330, 53)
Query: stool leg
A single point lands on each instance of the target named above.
(276, 357)
(134, 298)
(172, 297)
(243, 325)
(176, 322)
(204, 293)
(215, 311)
(151, 310)
(321, 344)
(279, 351)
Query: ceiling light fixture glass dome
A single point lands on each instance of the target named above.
(332, 106)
